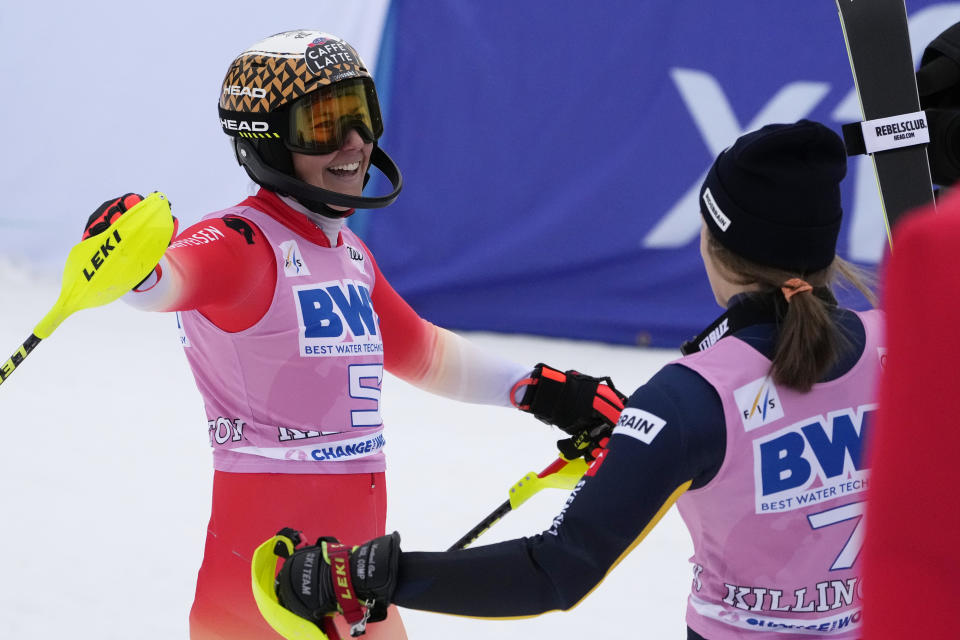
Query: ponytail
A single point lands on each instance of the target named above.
(809, 343)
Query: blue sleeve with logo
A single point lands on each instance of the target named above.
(671, 432)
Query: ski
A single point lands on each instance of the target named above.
(894, 131)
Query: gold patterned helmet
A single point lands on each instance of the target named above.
(301, 91)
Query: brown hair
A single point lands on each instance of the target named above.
(809, 342)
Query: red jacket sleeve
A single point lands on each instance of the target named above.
(222, 267)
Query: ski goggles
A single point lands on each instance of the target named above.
(320, 121)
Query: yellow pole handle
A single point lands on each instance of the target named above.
(562, 474)
(103, 267)
(263, 572)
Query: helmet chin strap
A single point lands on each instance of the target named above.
(314, 198)
(330, 224)
(326, 212)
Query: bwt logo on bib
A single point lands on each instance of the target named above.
(812, 461)
(337, 319)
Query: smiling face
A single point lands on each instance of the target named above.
(341, 171)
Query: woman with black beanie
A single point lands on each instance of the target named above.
(756, 434)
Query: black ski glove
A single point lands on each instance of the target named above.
(583, 406)
(108, 212)
(329, 577)
(588, 443)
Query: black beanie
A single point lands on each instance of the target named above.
(774, 196)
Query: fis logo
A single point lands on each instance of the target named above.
(759, 403)
(293, 264)
(812, 461)
(639, 424)
(337, 319)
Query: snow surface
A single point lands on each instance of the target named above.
(106, 474)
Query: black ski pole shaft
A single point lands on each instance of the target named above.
(8, 367)
(559, 474)
(482, 526)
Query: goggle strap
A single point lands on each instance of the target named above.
(240, 124)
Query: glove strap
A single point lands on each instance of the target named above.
(513, 393)
(338, 556)
(599, 455)
(551, 383)
(608, 402)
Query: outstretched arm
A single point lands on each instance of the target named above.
(222, 267)
(612, 509)
(442, 362)
(437, 360)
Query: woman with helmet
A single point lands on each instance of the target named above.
(756, 434)
(288, 324)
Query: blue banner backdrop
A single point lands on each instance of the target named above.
(553, 152)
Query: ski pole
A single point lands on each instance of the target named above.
(560, 474)
(103, 267)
